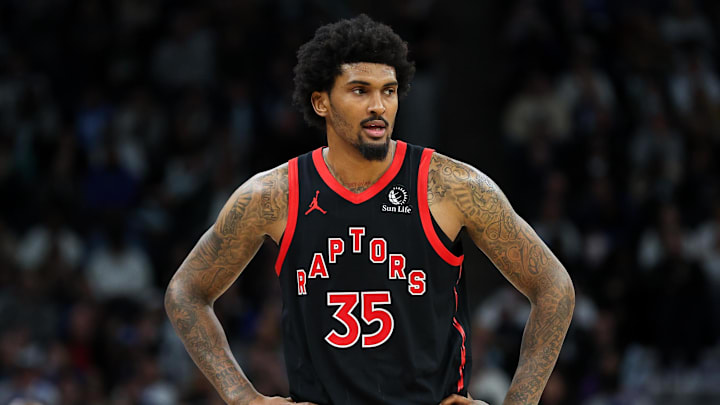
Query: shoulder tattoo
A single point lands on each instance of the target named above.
(259, 202)
(476, 197)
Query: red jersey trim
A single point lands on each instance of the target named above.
(293, 198)
(459, 328)
(461, 380)
(356, 198)
(424, 209)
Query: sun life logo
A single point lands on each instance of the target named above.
(398, 195)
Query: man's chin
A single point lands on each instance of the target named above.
(375, 149)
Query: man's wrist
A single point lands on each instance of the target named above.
(246, 399)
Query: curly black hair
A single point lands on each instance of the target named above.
(359, 39)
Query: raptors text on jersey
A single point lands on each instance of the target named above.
(374, 307)
(377, 252)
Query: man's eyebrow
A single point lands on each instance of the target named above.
(364, 83)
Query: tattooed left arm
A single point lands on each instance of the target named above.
(522, 257)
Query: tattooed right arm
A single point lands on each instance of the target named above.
(257, 209)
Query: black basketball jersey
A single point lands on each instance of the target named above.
(374, 307)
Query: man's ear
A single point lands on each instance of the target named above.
(320, 101)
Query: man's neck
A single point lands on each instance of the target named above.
(351, 169)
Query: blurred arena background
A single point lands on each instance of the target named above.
(124, 125)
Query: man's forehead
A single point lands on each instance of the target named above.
(367, 69)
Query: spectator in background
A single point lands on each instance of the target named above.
(667, 234)
(240, 117)
(28, 382)
(531, 38)
(93, 119)
(536, 124)
(119, 270)
(138, 130)
(680, 299)
(155, 390)
(683, 24)
(646, 95)
(602, 222)
(26, 100)
(706, 241)
(693, 83)
(187, 56)
(108, 185)
(141, 118)
(586, 91)
(537, 106)
(644, 50)
(657, 156)
(52, 237)
(554, 226)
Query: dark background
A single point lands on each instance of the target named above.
(125, 125)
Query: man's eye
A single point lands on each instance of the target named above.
(358, 90)
(390, 91)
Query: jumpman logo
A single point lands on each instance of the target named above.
(314, 204)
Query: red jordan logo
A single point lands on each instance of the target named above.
(314, 204)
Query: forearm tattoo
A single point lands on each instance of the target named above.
(522, 257)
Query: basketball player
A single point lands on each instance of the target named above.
(370, 262)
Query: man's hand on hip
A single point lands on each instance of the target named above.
(262, 400)
(457, 399)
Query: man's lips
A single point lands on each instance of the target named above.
(375, 123)
(375, 132)
(375, 128)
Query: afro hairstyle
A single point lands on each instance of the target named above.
(359, 39)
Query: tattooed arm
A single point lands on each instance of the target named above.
(257, 209)
(461, 196)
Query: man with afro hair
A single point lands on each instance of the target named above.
(370, 263)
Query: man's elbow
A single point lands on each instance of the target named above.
(177, 296)
(171, 299)
(569, 289)
(566, 296)
(558, 293)
(182, 294)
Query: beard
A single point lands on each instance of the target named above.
(368, 150)
(372, 151)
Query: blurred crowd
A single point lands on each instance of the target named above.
(125, 125)
(612, 125)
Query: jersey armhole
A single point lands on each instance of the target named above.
(454, 246)
(426, 216)
(293, 198)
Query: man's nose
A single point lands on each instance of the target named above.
(376, 106)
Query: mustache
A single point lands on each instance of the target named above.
(366, 120)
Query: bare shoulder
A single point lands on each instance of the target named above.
(475, 197)
(258, 206)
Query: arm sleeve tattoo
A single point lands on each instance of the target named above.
(522, 257)
(212, 266)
